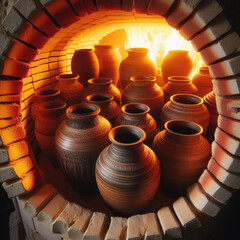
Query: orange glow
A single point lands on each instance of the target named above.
(159, 39)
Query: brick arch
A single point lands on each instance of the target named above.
(43, 25)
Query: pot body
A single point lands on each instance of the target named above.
(183, 154)
(85, 64)
(71, 90)
(186, 107)
(127, 171)
(137, 63)
(178, 84)
(203, 81)
(136, 114)
(109, 60)
(176, 63)
(51, 114)
(143, 89)
(79, 139)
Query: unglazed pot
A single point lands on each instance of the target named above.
(103, 86)
(127, 171)
(186, 107)
(137, 63)
(85, 64)
(109, 60)
(43, 96)
(71, 90)
(50, 116)
(176, 63)
(79, 139)
(183, 153)
(203, 81)
(143, 89)
(210, 103)
(178, 84)
(137, 114)
(109, 108)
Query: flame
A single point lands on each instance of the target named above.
(159, 39)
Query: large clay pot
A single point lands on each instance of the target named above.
(43, 96)
(137, 63)
(85, 64)
(50, 116)
(109, 108)
(109, 60)
(137, 114)
(210, 103)
(127, 171)
(143, 89)
(79, 139)
(186, 107)
(71, 90)
(203, 81)
(176, 63)
(183, 154)
(178, 84)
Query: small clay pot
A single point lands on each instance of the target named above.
(183, 154)
(79, 139)
(109, 108)
(127, 171)
(186, 107)
(137, 114)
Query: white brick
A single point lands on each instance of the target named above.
(117, 229)
(7, 173)
(3, 155)
(213, 188)
(226, 87)
(205, 13)
(201, 202)
(159, 7)
(225, 177)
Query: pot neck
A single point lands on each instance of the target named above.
(86, 51)
(99, 83)
(134, 111)
(64, 79)
(143, 81)
(54, 109)
(179, 80)
(204, 71)
(101, 100)
(178, 52)
(104, 48)
(137, 52)
(46, 95)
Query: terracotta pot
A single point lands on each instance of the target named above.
(103, 86)
(71, 90)
(85, 64)
(176, 63)
(79, 139)
(203, 81)
(109, 60)
(43, 96)
(137, 114)
(50, 116)
(143, 89)
(127, 171)
(137, 63)
(178, 84)
(109, 108)
(210, 103)
(183, 154)
(186, 107)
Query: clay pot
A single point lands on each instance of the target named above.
(127, 171)
(103, 86)
(50, 116)
(43, 96)
(85, 64)
(79, 139)
(70, 88)
(210, 103)
(137, 63)
(137, 114)
(178, 84)
(109, 60)
(176, 63)
(186, 107)
(183, 154)
(203, 81)
(109, 108)
(143, 89)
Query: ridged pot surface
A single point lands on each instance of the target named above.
(127, 171)
(79, 140)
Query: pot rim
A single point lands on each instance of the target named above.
(143, 78)
(178, 51)
(104, 46)
(84, 50)
(138, 50)
(144, 107)
(52, 105)
(179, 79)
(175, 97)
(52, 91)
(100, 81)
(108, 98)
(67, 76)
